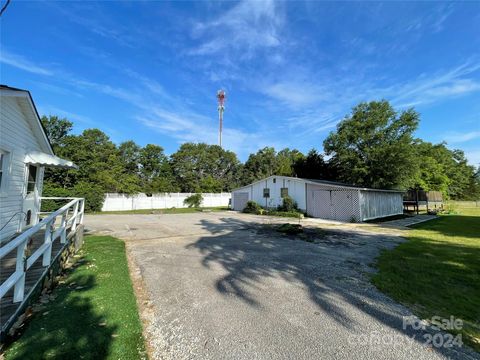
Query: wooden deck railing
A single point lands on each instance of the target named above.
(70, 215)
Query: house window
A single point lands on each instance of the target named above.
(4, 162)
(266, 193)
(32, 178)
(284, 192)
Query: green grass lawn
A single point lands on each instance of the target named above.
(94, 314)
(437, 271)
(163, 211)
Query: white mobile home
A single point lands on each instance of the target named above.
(321, 199)
(24, 153)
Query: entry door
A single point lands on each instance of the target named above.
(342, 208)
(31, 199)
(322, 204)
(240, 200)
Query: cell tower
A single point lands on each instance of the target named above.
(221, 108)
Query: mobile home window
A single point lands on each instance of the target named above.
(32, 178)
(266, 193)
(284, 192)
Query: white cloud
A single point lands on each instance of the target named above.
(295, 94)
(462, 137)
(57, 89)
(22, 63)
(192, 127)
(89, 15)
(247, 26)
(434, 21)
(428, 89)
(440, 16)
(53, 110)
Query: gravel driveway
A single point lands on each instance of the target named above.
(225, 286)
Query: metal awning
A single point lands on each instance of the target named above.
(43, 159)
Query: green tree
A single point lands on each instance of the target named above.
(101, 169)
(162, 184)
(313, 166)
(441, 169)
(57, 129)
(431, 162)
(194, 200)
(96, 156)
(461, 175)
(286, 160)
(260, 165)
(151, 161)
(373, 146)
(130, 156)
(201, 168)
(472, 190)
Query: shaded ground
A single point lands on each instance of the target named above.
(222, 287)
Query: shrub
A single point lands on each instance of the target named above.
(294, 214)
(194, 200)
(288, 205)
(94, 196)
(51, 190)
(252, 208)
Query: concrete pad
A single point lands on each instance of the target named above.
(409, 221)
(222, 286)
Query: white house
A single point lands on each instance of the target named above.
(24, 153)
(321, 199)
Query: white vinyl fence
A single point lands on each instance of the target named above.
(120, 202)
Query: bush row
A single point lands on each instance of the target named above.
(288, 208)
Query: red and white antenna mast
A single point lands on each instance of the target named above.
(221, 108)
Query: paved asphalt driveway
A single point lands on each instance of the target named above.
(224, 287)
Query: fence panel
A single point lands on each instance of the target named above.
(123, 202)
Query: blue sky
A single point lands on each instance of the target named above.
(149, 71)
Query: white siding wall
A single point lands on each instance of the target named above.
(16, 137)
(325, 200)
(120, 202)
(296, 190)
(375, 204)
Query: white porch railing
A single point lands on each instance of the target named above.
(70, 216)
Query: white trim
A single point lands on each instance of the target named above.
(360, 205)
(6, 171)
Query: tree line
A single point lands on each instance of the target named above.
(373, 146)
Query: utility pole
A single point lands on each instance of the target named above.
(221, 108)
